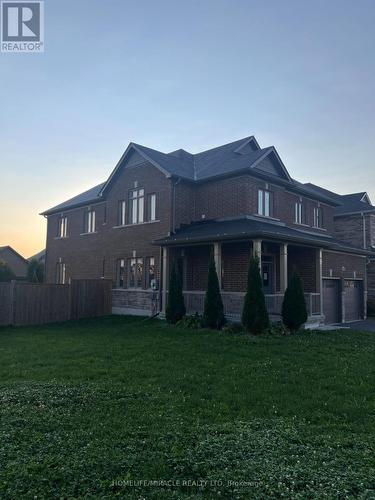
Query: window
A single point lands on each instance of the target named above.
(299, 213)
(62, 229)
(61, 273)
(121, 273)
(135, 273)
(318, 217)
(122, 213)
(90, 221)
(152, 207)
(136, 206)
(151, 270)
(264, 203)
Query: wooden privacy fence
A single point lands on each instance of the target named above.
(36, 304)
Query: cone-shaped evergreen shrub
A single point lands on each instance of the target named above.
(176, 307)
(294, 310)
(254, 315)
(213, 316)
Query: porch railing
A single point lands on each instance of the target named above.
(233, 303)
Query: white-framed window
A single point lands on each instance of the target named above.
(137, 203)
(264, 203)
(318, 217)
(121, 273)
(299, 213)
(151, 271)
(90, 221)
(61, 273)
(152, 207)
(62, 230)
(122, 213)
(135, 273)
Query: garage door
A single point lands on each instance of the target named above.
(353, 300)
(331, 295)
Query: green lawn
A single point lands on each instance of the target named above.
(89, 407)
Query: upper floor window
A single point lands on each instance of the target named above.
(61, 273)
(136, 206)
(299, 213)
(318, 217)
(122, 213)
(264, 202)
(90, 221)
(152, 207)
(62, 229)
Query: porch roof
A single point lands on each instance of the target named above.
(250, 227)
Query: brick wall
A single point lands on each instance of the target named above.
(303, 261)
(235, 264)
(86, 255)
(340, 265)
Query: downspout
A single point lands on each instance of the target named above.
(364, 230)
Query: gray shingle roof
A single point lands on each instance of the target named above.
(348, 203)
(241, 155)
(90, 196)
(251, 227)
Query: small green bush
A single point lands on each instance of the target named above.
(294, 311)
(255, 317)
(213, 315)
(176, 307)
(193, 322)
(233, 329)
(278, 329)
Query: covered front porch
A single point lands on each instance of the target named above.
(277, 261)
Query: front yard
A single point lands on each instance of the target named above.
(91, 409)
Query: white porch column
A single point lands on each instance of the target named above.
(319, 276)
(257, 251)
(283, 267)
(217, 257)
(164, 283)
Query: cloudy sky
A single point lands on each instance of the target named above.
(193, 74)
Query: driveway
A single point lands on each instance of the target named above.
(367, 325)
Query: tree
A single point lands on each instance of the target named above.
(35, 271)
(176, 307)
(254, 315)
(6, 273)
(294, 311)
(213, 315)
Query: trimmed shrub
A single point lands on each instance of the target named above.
(176, 307)
(213, 315)
(6, 274)
(294, 311)
(255, 317)
(35, 272)
(371, 307)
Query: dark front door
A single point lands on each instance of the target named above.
(267, 270)
(331, 295)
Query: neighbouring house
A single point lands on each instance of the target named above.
(15, 261)
(232, 200)
(40, 257)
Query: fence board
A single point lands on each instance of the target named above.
(5, 304)
(36, 304)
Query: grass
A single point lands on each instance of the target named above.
(91, 409)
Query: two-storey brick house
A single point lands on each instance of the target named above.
(232, 200)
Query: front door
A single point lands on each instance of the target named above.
(267, 273)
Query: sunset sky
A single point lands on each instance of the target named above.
(193, 75)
